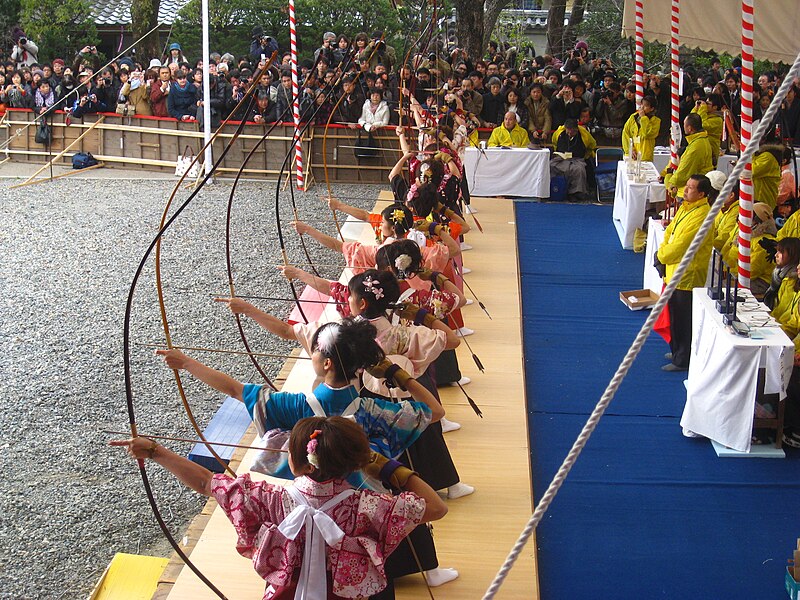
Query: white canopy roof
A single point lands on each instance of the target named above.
(717, 25)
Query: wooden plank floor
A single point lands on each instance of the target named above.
(490, 453)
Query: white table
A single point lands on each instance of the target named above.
(508, 172)
(655, 236)
(631, 199)
(723, 371)
(724, 162)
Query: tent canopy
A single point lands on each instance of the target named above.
(717, 26)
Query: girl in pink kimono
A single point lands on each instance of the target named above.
(352, 532)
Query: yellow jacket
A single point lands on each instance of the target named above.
(760, 267)
(695, 159)
(766, 177)
(724, 223)
(647, 132)
(787, 310)
(516, 138)
(586, 137)
(792, 226)
(679, 234)
(713, 124)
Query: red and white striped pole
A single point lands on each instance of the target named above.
(639, 59)
(746, 183)
(298, 145)
(676, 100)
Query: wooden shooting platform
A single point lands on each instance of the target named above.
(491, 453)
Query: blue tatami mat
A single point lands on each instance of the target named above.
(645, 512)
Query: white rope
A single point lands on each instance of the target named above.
(633, 351)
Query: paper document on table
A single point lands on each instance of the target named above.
(564, 155)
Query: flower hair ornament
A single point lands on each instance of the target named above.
(398, 216)
(327, 338)
(402, 263)
(371, 285)
(425, 173)
(311, 449)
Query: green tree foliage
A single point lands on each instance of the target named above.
(59, 27)
(232, 22)
(9, 17)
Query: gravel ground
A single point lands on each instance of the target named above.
(70, 249)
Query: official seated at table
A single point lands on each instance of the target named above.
(677, 238)
(696, 158)
(569, 160)
(509, 134)
(588, 139)
(761, 265)
(641, 130)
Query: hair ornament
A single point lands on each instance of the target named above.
(425, 173)
(327, 338)
(371, 285)
(311, 449)
(402, 263)
(398, 216)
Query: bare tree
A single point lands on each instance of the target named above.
(555, 27)
(476, 22)
(575, 19)
(144, 16)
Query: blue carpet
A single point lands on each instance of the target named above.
(645, 512)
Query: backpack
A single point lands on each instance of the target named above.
(81, 160)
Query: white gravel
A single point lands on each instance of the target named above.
(69, 250)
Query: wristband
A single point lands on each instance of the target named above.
(432, 229)
(151, 451)
(419, 318)
(390, 372)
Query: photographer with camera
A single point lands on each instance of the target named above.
(86, 60)
(88, 101)
(327, 48)
(383, 55)
(611, 114)
(25, 53)
(472, 101)
(261, 45)
(107, 88)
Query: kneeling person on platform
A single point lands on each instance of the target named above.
(568, 160)
(509, 134)
(677, 238)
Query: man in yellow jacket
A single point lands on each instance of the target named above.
(767, 174)
(677, 238)
(509, 133)
(695, 159)
(710, 111)
(641, 129)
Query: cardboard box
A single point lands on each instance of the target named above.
(792, 586)
(639, 299)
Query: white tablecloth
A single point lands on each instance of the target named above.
(724, 163)
(655, 235)
(631, 199)
(723, 373)
(508, 172)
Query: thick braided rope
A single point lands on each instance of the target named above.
(298, 145)
(639, 52)
(640, 339)
(674, 86)
(746, 184)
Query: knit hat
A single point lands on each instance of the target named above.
(39, 71)
(762, 211)
(59, 61)
(581, 44)
(328, 35)
(717, 179)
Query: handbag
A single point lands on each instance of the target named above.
(43, 133)
(125, 109)
(365, 149)
(184, 164)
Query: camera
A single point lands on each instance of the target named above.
(23, 40)
(432, 57)
(107, 80)
(606, 94)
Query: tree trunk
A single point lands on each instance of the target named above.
(469, 26)
(555, 27)
(492, 13)
(144, 16)
(575, 19)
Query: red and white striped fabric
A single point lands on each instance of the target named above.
(298, 145)
(675, 62)
(639, 52)
(746, 183)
